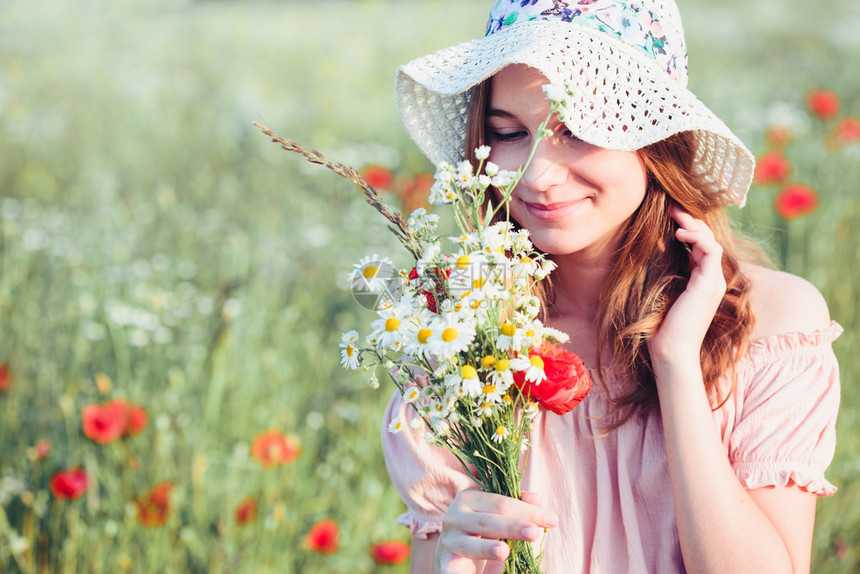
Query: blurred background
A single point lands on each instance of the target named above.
(173, 285)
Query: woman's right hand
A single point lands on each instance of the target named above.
(476, 524)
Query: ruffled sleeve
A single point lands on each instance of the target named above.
(428, 477)
(780, 425)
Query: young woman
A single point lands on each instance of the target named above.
(703, 445)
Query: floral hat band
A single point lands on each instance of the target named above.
(632, 22)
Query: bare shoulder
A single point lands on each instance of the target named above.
(784, 303)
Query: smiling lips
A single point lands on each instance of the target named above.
(553, 211)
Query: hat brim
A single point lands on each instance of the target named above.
(621, 100)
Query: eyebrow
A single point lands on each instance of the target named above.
(497, 113)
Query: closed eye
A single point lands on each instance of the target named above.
(505, 136)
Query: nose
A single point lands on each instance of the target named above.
(548, 167)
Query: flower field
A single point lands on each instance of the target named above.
(173, 286)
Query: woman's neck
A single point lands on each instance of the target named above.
(577, 284)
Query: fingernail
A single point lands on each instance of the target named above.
(500, 551)
(550, 520)
(530, 532)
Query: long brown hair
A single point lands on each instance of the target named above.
(652, 268)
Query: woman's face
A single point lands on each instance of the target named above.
(574, 196)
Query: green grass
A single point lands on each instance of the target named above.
(150, 233)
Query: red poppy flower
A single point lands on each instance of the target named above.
(379, 177)
(271, 448)
(154, 508)
(771, 167)
(70, 484)
(796, 200)
(42, 449)
(103, 423)
(847, 132)
(246, 511)
(567, 380)
(323, 537)
(5, 377)
(413, 191)
(429, 295)
(136, 419)
(778, 136)
(823, 103)
(390, 552)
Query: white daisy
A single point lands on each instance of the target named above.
(392, 330)
(547, 266)
(482, 152)
(411, 394)
(396, 425)
(452, 335)
(372, 273)
(502, 374)
(531, 366)
(509, 337)
(500, 434)
(349, 358)
(492, 393)
(485, 409)
(466, 381)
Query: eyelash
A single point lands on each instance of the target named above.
(507, 137)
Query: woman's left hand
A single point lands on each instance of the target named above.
(681, 333)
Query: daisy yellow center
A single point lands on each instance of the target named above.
(488, 361)
(530, 333)
(398, 425)
(450, 334)
(507, 330)
(507, 399)
(479, 282)
(392, 324)
(536, 362)
(475, 305)
(468, 372)
(423, 335)
(525, 259)
(503, 365)
(458, 306)
(349, 351)
(370, 271)
(501, 431)
(489, 389)
(439, 407)
(463, 261)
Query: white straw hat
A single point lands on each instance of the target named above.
(625, 62)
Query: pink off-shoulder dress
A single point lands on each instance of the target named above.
(611, 491)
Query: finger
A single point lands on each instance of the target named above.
(497, 504)
(473, 547)
(532, 498)
(494, 567)
(452, 564)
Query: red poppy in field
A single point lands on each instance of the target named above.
(567, 380)
(5, 377)
(771, 167)
(379, 177)
(103, 423)
(42, 449)
(778, 136)
(323, 537)
(136, 417)
(390, 552)
(106, 422)
(846, 132)
(272, 448)
(154, 508)
(69, 484)
(823, 103)
(796, 200)
(413, 191)
(246, 511)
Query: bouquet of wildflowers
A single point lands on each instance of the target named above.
(459, 332)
